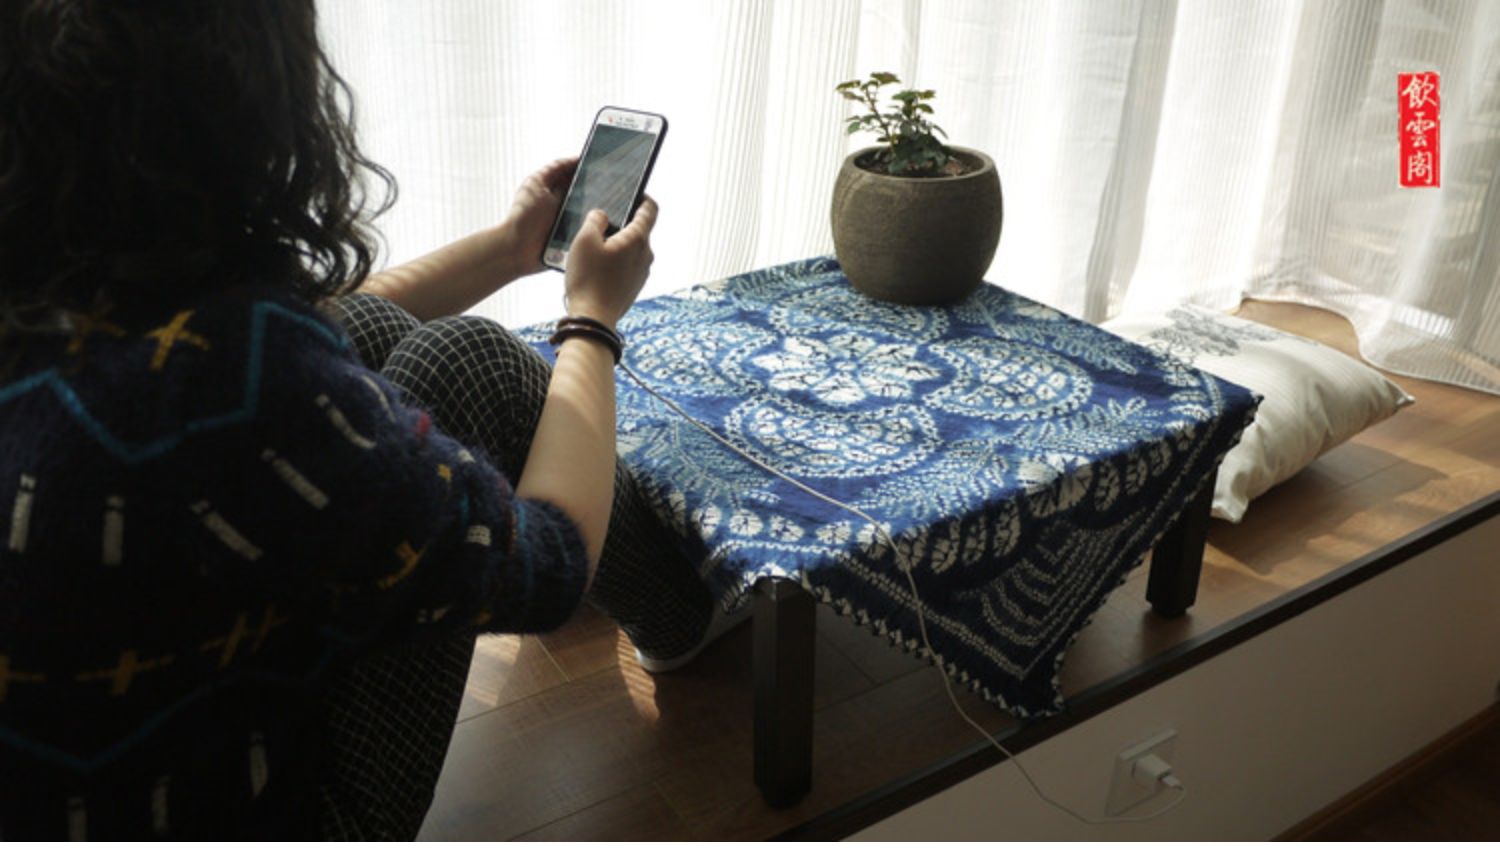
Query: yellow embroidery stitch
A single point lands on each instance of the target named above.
(8, 676)
(410, 558)
(168, 336)
(230, 642)
(267, 622)
(85, 325)
(124, 672)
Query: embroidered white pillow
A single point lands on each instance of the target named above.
(1315, 396)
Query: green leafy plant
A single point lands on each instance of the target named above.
(911, 145)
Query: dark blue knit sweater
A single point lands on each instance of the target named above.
(206, 512)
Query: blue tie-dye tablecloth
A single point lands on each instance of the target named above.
(1024, 461)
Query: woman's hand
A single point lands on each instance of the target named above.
(533, 212)
(450, 280)
(606, 274)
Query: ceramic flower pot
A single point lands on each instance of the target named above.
(918, 241)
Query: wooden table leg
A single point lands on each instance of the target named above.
(1177, 559)
(785, 619)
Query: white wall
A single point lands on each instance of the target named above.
(1274, 729)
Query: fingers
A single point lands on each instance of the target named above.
(643, 221)
(558, 172)
(594, 226)
(605, 275)
(561, 164)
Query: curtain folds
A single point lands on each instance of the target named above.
(1151, 151)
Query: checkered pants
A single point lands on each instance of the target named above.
(390, 719)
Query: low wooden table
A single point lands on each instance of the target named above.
(1021, 460)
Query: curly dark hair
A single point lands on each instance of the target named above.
(150, 146)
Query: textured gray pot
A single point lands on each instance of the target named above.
(918, 241)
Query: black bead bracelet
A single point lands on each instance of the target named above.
(588, 327)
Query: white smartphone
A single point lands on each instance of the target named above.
(611, 176)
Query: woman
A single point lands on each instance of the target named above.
(246, 549)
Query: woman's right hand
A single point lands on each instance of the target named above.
(606, 274)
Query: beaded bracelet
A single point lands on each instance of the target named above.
(587, 327)
(589, 321)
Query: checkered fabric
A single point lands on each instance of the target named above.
(391, 717)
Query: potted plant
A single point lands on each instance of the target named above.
(914, 221)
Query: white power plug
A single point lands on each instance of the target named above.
(1142, 771)
(1152, 770)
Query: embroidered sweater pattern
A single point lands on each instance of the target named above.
(205, 512)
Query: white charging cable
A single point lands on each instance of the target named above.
(904, 566)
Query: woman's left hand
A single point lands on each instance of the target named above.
(453, 278)
(534, 211)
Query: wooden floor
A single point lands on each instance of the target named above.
(1450, 794)
(564, 737)
(1460, 802)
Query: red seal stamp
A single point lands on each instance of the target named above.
(1418, 106)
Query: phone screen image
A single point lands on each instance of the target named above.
(608, 177)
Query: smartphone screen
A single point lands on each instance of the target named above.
(611, 175)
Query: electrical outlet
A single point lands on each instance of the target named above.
(1126, 792)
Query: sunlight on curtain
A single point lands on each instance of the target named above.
(1150, 152)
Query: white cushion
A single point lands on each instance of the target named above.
(1315, 396)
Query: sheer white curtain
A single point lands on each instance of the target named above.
(1151, 151)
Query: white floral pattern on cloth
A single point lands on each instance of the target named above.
(834, 444)
(1023, 461)
(845, 369)
(689, 359)
(1007, 380)
(826, 294)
